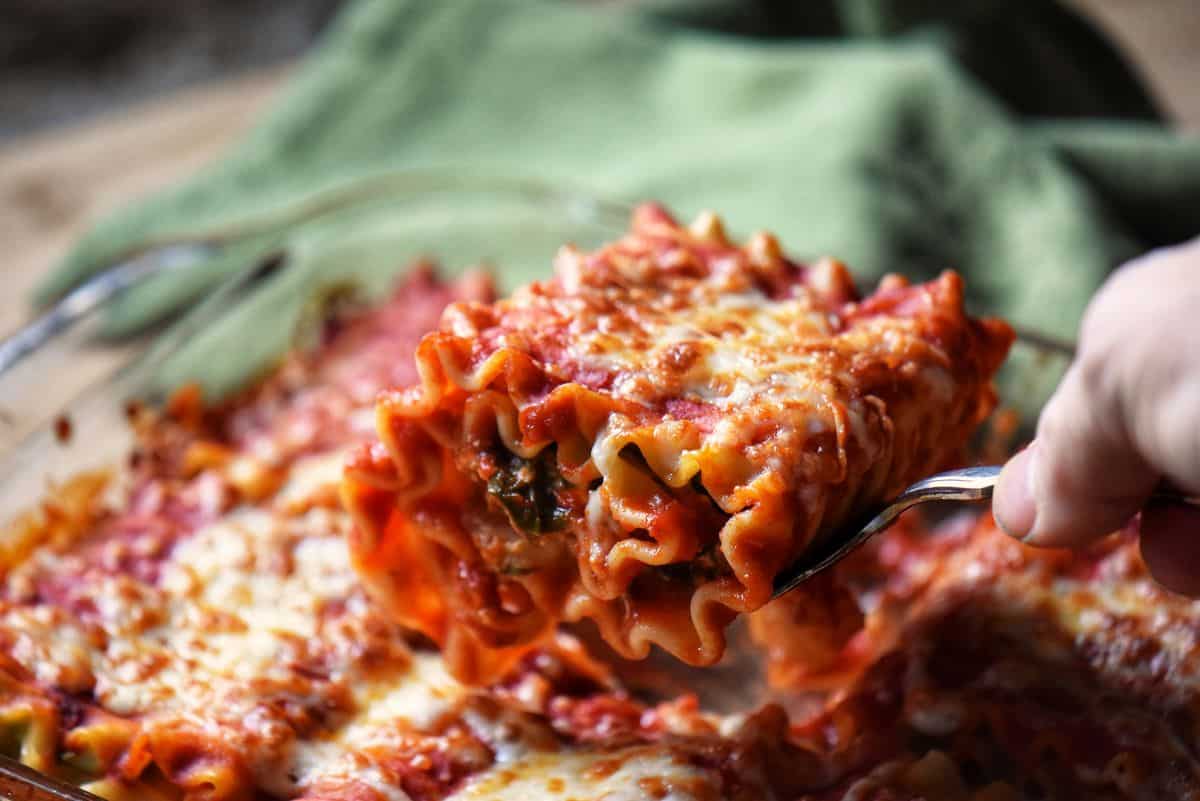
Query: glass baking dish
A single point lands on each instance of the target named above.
(64, 405)
(64, 397)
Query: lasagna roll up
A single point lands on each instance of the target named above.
(649, 437)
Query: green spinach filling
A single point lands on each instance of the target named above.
(531, 492)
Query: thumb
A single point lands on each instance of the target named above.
(1126, 414)
(1055, 492)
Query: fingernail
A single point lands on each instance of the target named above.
(1014, 506)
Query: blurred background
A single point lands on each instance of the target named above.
(62, 61)
(65, 60)
(103, 101)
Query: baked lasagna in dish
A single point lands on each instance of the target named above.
(190, 627)
(648, 438)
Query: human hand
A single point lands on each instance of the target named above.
(1125, 417)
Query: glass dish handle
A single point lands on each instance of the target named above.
(46, 363)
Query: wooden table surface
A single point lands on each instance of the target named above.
(54, 185)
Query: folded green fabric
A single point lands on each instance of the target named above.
(890, 134)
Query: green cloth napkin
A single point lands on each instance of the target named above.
(893, 134)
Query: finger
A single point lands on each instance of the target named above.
(1080, 480)
(1012, 504)
(1124, 415)
(1170, 541)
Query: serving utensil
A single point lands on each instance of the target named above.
(19, 782)
(969, 484)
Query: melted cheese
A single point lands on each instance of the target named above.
(631, 774)
(244, 600)
(385, 711)
(239, 603)
(745, 346)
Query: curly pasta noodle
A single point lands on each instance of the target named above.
(648, 438)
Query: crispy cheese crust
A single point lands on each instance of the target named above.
(648, 438)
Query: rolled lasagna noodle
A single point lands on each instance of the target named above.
(649, 437)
